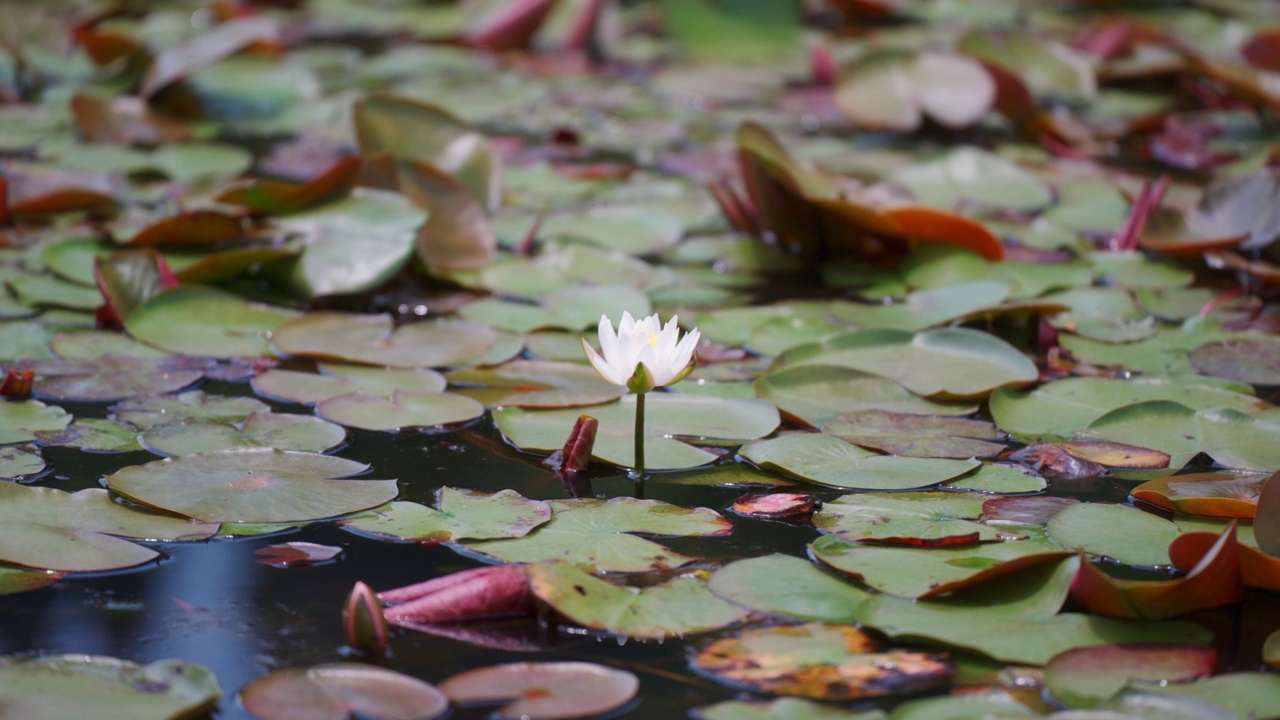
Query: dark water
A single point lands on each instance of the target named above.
(212, 602)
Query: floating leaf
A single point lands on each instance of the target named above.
(536, 384)
(20, 463)
(785, 708)
(77, 532)
(787, 507)
(258, 485)
(20, 421)
(1214, 494)
(15, 580)
(668, 416)
(1243, 694)
(928, 519)
(675, 608)
(177, 62)
(1118, 532)
(292, 554)
(598, 533)
(103, 687)
(892, 91)
(335, 380)
(462, 514)
(911, 435)
(260, 430)
(114, 377)
(998, 478)
(818, 394)
(790, 587)
(972, 175)
(458, 234)
(1037, 510)
(827, 460)
(195, 406)
(818, 661)
(545, 691)
(404, 409)
(374, 340)
(195, 320)
(337, 690)
(1248, 360)
(992, 703)
(1084, 677)
(1230, 437)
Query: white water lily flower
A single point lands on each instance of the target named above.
(643, 355)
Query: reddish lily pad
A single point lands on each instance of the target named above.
(83, 531)
(374, 340)
(678, 607)
(273, 197)
(819, 661)
(598, 533)
(787, 507)
(404, 409)
(827, 460)
(113, 377)
(1084, 677)
(911, 435)
(338, 690)
(920, 519)
(1033, 510)
(1267, 517)
(1249, 360)
(108, 688)
(1258, 569)
(535, 383)
(462, 515)
(1213, 494)
(544, 691)
(258, 485)
(293, 554)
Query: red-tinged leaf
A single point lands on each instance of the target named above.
(600, 170)
(125, 120)
(1260, 270)
(994, 572)
(105, 46)
(1266, 521)
(927, 225)
(789, 507)
(296, 553)
(127, 278)
(4, 202)
(575, 456)
(740, 216)
(583, 27)
(1085, 676)
(823, 69)
(1211, 494)
(273, 197)
(1263, 50)
(1240, 81)
(510, 27)
(17, 385)
(1214, 581)
(221, 41)
(1015, 101)
(1258, 569)
(37, 194)
(193, 228)
(1031, 510)
(1054, 461)
(1187, 147)
(1148, 200)
(1116, 455)
(487, 592)
(457, 234)
(362, 621)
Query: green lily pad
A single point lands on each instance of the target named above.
(335, 379)
(916, 572)
(20, 463)
(373, 340)
(1243, 694)
(1085, 677)
(98, 435)
(259, 430)
(107, 688)
(535, 384)
(462, 515)
(828, 460)
(353, 245)
(818, 394)
(911, 435)
(257, 485)
(113, 377)
(555, 268)
(999, 479)
(736, 325)
(21, 420)
(89, 344)
(404, 409)
(193, 406)
(996, 703)
(789, 587)
(1231, 438)
(926, 308)
(23, 339)
(574, 308)
(49, 291)
(678, 607)
(908, 519)
(1122, 533)
(15, 580)
(668, 416)
(83, 531)
(942, 363)
(1132, 270)
(970, 174)
(784, 708)
(72, 259)
(195, 320)
(1057, 410)
(597, 533)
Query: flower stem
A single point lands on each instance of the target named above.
(640, 435)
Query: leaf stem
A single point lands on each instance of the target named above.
(640, 436)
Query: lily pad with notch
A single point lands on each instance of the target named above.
(403, 409)
(196, 320)
(921, 519)
(283, 431)
(374, 340)
(818, 394)
(827, 460)
(460, 515)
(79, 685)
(913, 435)
(336, 379)
(335, 690)
(535, 384)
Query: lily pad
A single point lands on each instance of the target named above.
(462, 515)
(925, 519)
(999, 478)
(336, 379)
(1243, 694)
(373, 340)
(946, 363)
(260, 430)
(818, 661)
(678, 607)
(16, 580)
(1251, 360)
(789, 587)
(1121, 533)
(257, 485)
(404, 409)
(818, 394)
(338, 690)
(195, 406)
(911, 435)
(535, 384)
(784, 708)
(828, 460)
(83, 531)
(93, 435)
(1231, 438)
(544, 691)
(1213, 494)
(668, 416)
(972, 175)
(1084, 677)
(195, 320)
(77, 685)
(20, 421)
(598, 533)
(113, 377)
(20, 463)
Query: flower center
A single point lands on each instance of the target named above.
(653, 340)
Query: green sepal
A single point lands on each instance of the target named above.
(641, 381)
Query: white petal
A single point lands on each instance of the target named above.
(608, 339)
(601, 365)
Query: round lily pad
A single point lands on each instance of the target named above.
(338, 690)
(195, 320)
(20, 463)
(784, 708)
(536, 384)
(20, 421)
(788, 586)
(1253, 360)
(404, 409)
(999, 478)
(84, 344)
(818, 394)
(336, 379)
(112, 377)
(260, 430)
(912, 435)
(105, 688)
(257, 485)
(828, 460)
(1121, 533)
(462, 514)
(923, 519)
(195, 406)
(1084, 677)
(374, 340)
(545, 691)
